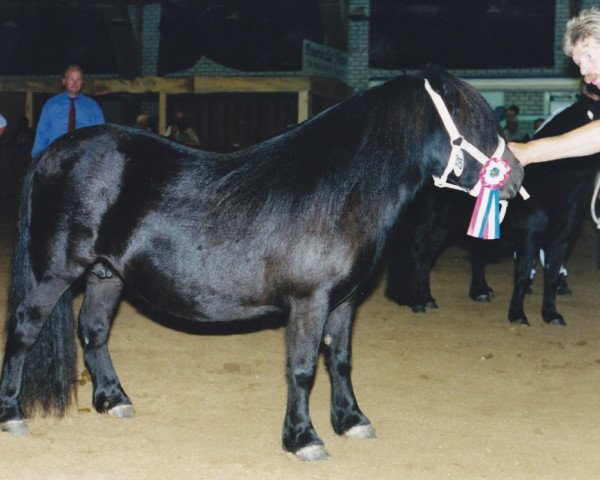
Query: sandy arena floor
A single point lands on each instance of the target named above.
(457, 393)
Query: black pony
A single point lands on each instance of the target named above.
(290, 227)
(436, 219)
(550, 220)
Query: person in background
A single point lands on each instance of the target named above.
(511, 130)
(3, 124)
(172, 128)
(181, 131)
(500, 112)
(581, 42)
(143, 122)
(66, 111)
(538, 122)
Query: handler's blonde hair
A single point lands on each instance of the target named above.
(583, 26)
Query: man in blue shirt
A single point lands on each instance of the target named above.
(66, 111)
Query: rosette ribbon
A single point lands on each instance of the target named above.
(486, 217)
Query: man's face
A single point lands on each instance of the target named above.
(586, 55)
(73, 82)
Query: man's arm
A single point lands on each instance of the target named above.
(577, 143)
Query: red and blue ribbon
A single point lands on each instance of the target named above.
(485, 220)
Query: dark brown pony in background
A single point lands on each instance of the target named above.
(292, 227)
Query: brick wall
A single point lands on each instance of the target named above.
(359, 73)
(530, 102)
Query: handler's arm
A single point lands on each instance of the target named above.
(577, 143)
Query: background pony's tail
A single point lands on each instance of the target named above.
(50, 373)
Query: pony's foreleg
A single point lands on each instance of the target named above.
(24, 326)
(303, 335)
(346, 417)
(102, 296)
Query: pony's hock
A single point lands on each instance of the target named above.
(291, 227)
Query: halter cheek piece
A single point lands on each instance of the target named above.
(495, 170)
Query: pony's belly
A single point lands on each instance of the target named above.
(221, 313)
(236, 313)
(201, 304)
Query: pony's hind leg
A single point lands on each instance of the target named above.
(524, 262)
(555, 254)
(102, 296)
(346, 417)
(27, 381)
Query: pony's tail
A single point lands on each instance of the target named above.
(50, 371)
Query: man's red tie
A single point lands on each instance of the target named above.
(72, 115)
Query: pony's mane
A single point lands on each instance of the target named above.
(462, 100)
(324, 161)
(358, 152)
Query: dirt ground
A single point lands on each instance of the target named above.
(457, 393)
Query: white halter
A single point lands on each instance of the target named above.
(458, 144)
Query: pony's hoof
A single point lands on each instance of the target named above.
(312, 453)
(361, 432)
(418, 308)
(15, 427)
(557, 321)
(484, 297)
(122, 411)
(519, 321)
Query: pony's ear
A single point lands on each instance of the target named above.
(436, 76)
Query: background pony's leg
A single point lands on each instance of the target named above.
(478, 250)
(102, 296)
(414, 250)
(526, 251)
(24, 327)
(346, 417)
(555, 255)
(303, 334)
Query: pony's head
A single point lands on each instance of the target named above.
(474, 137)
(478, 153)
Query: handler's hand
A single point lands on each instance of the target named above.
(520, 150)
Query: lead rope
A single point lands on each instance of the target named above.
(596, 220)
(593, 203)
